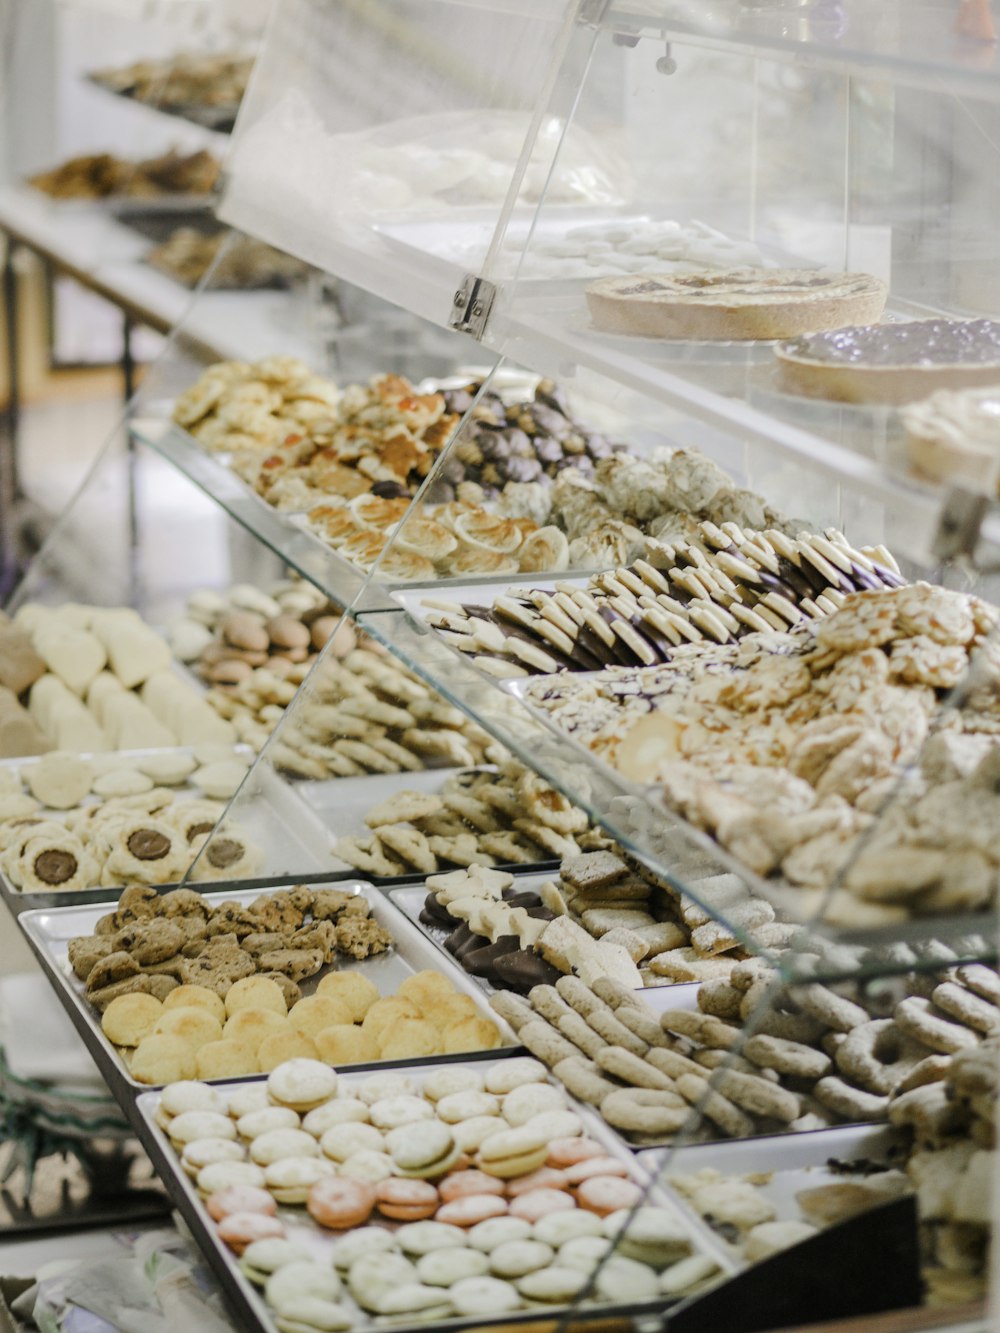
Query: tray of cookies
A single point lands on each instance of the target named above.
(495, 926)
(399, 828)
(763, 1195)
(445, 1193)
(219, 985)
(79, 828)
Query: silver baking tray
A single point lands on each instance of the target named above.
(49, 932)
(410, 901)
(786, 1163)
(292, 836)
(341, 806)
(247, 1299)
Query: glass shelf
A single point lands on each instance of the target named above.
(731, 389)
(337, 578)
(931, 44)
(686, 858)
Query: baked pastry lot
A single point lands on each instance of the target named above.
(572, 884)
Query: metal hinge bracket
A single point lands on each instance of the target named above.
(471, 306)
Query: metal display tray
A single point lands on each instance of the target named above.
(49, 932)
(341, 806)
(786, 1163)
(247, 1300)
(283, 826)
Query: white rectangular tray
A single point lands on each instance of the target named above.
(293, 838)
(49, 933)
(318, 1243)
(341, 806)
(794, 1162)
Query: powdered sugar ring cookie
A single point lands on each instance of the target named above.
(632, 1070)
(645, 1111)
(583, 1080)
(851, 1103)
(836, 1011)
(969, 1009)
(878, 1055)
(917, 1017)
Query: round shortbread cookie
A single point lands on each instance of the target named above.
(129, 1018)
(278, 1143)
(255, 993)
(167, 769)
(506, 1075)
(483, 1296)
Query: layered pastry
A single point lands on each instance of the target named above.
(235, 263)
(181, 81)
(739, 303)
(954, 436)
(103, 176)
(892, 363)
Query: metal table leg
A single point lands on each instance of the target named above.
(9, 479)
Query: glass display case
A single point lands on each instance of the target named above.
(646, 641)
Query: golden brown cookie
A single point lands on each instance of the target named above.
(191, 1023)
(160, 1058)
(254, 993)
(129, 1018)
(225, 1059)
(358, 993)
(345, 1044)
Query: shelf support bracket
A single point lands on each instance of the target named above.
(471, 306)
(592, 12)
(960, 524)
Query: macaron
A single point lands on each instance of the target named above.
(341, 1203)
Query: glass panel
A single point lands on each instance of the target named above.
(924, 44)
(383, 141)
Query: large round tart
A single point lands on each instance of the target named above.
(736, 304)
(892, 363)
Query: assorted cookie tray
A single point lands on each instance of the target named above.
(49, 934)
(288, 837)
(764, 1194)
(341, 807)
(410, 900)
(502, 1253)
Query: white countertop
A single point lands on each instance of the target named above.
(89, 243)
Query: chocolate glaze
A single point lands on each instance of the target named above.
(482, 962)
(521, 970)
